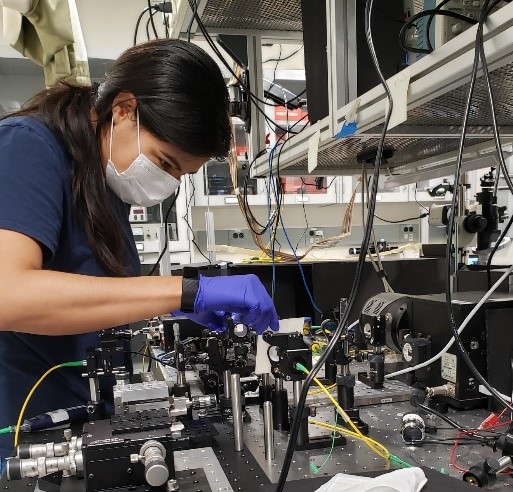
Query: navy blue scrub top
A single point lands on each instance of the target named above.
(36, 200)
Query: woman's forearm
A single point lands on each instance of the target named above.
(53, 303)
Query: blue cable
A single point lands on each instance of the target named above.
(271, 156)
(300, 269)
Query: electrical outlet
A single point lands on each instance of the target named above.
(315, 235)
(237, 234)
(468, 8)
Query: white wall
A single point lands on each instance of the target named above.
(230, 217)
(17, 89)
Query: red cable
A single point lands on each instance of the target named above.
(455, 446)
(453, 452)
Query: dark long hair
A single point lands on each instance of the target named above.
(181, 98)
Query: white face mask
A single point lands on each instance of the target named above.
(143, 183)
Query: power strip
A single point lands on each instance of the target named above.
(450, 27)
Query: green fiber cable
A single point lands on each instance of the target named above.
(6, 430)
(316, 469)
(399, 461)
(75, 363)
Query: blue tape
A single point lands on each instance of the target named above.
(347, 129)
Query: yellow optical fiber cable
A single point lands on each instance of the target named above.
(77, 363)
(377, 447)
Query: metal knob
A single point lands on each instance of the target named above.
(153, 455)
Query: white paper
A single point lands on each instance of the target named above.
(313, 150)
(404, 480)
(352, 110)
(399, 85)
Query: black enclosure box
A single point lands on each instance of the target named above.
(428, 318)
(328, 281)
(334, 280)
(500, 350)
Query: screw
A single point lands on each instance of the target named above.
(172, 485)
(474, 345)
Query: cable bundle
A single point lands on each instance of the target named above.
(258, 230)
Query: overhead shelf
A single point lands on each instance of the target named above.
(426, 143)
(261, 15)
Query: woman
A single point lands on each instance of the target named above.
(71, 163)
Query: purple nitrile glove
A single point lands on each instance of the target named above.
(244, 295)
(241, 294)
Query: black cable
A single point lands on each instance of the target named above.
(431, 18)
(165, 17)
(186, 219)
(421, 216)
(252, 97)
(411, 21)
(494, 250)
(149, 357)
(274, 71)
(359, 266)
(306, 219)
(418, 203)
(148, 37)
(498, 145)
(297, 96)
(462, 440)
(137, 24)
(285, 58)
(251, 217)
(322, 187)
(378, 265)
(502, 163)
(194, 13)
(138, 350)
(443, 417)
(279, 195)
(430, 21)
(472, 434)
(150, 8)
(248, 214)
(280, 188)
(166, 238)
(454, 214)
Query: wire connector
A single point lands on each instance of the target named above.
(490, 422)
